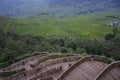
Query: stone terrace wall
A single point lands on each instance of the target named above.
(48, 78)
(74, 66)
(48, 73)
(24, 75)
(93, 57)
(109, 67)
(22, 62)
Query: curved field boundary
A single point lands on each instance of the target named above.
(74, 66)
(94, 57)
(10, 73)
(109, 67)
(59, 60)
(103, 59)
(21, 63)
(49, 58)
(39, 68)
(47, 78)
(47, 73)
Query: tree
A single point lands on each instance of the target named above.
(64, 50)
(9, 56)
(109, 36)
(95, 47)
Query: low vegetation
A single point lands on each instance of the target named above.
(82, 35)
(7, 74)
(13, 46)
(103, 59)
(50, 57)
(85, 26)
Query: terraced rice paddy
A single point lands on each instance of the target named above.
(64, 67)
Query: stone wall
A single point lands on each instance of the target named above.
(92, 57)
(26, 74)
(48, 73)
(21, 63)
(74, 66)
(109, 67)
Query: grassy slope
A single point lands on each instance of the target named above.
(6, 23)
(69, 26)
(88, 26)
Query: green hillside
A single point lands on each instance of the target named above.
(48, 39)
(63, 34)
(88, 26)
(6, 23)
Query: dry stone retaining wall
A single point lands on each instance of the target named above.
(112, 65)
(76, 64)
(48, 78)
(21, 63)
(24, 75)
(45, 74)
(72, 67)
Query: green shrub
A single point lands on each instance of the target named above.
(51, 57)
(103, 59)
(5, 64)
(7, 74)
(28, 55)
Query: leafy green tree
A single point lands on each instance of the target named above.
(109, 36)
(64, 50)
(95, 47)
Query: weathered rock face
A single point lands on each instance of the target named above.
(54, 7)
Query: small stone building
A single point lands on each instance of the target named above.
(114, 24)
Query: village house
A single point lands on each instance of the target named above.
(114, 24)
